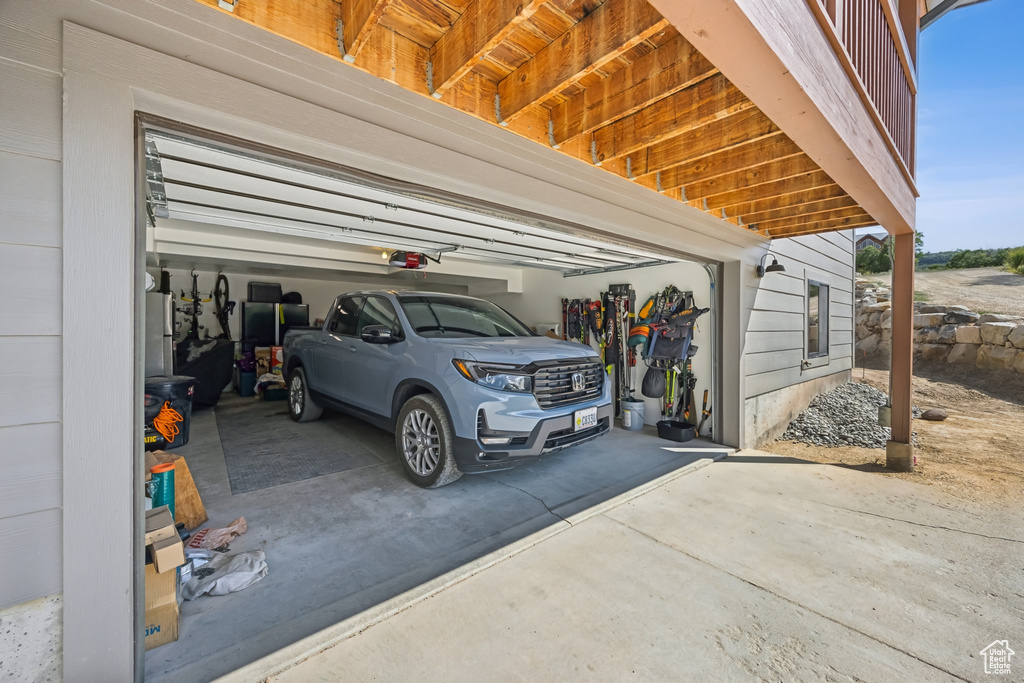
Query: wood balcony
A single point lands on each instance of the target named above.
(869, 39)
(619, 85)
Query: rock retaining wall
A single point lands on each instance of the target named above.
(951, 333)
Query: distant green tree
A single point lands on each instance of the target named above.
(871, 259)
(1015, 259)
(976, 258)
(934, 258)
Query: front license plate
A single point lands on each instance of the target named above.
(585, 419)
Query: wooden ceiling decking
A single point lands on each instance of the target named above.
(608, 82)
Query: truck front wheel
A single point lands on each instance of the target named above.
(301, 405)
(423, 439)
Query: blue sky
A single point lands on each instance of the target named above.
(970, 165)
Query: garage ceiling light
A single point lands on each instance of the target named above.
(199, 181)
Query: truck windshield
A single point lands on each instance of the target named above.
(453, 316)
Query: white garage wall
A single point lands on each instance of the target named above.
(777, 384)
(776, 343)
(319, 294)
(30, 327)
(543, 290)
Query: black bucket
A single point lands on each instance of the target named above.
(176, 389)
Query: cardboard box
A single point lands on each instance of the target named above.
(168, 554)
(163, 540)
(159, 524)
(262, 360)
(161, 619)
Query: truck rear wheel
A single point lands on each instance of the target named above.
(301, 405)
(423, 438)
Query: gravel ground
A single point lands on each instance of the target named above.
(846, 416)
(977, 454)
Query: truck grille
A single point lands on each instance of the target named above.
(564, 438)
(552, 384)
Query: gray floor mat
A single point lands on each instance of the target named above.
(264, 447)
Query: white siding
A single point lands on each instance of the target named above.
(30, 286)
(775, 337)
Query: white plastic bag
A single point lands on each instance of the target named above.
(230, 573)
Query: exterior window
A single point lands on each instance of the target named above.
(817, 319)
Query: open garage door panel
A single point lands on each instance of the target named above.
(202, 183)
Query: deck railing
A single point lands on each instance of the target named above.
(870, 42)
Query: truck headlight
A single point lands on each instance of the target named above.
(495, 375)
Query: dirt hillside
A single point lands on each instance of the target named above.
(983, 290)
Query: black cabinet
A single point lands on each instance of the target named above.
(268, 323)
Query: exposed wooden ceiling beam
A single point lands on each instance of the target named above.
(824, 226)
(800, 183)
(710, 100)
(674, 66)
(310, 23)
(482, 27)
(776, 171)
(785, 200)
(802, 209)
(817, 217)
(601, 36)
(693, 144)
(358, 17)
(755, 163)
(714, 148)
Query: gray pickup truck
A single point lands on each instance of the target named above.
(464, 386)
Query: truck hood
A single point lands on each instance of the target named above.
(520, 350)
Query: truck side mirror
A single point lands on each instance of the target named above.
(378, 334)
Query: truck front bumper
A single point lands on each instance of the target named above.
(548, 435)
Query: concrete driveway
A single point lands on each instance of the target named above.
(754, 567)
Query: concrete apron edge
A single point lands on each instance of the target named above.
(301, 650)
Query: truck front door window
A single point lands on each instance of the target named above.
(347, 316)
(378, 311)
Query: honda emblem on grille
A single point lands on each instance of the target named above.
(579, 382)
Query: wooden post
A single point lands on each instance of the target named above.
(899, 451)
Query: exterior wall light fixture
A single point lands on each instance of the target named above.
(775, 267)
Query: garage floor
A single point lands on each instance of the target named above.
(342, 536)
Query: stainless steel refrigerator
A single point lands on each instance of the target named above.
(159, 334)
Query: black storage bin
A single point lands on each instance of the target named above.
(178, 390)
(264, 292)
(676, 430)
